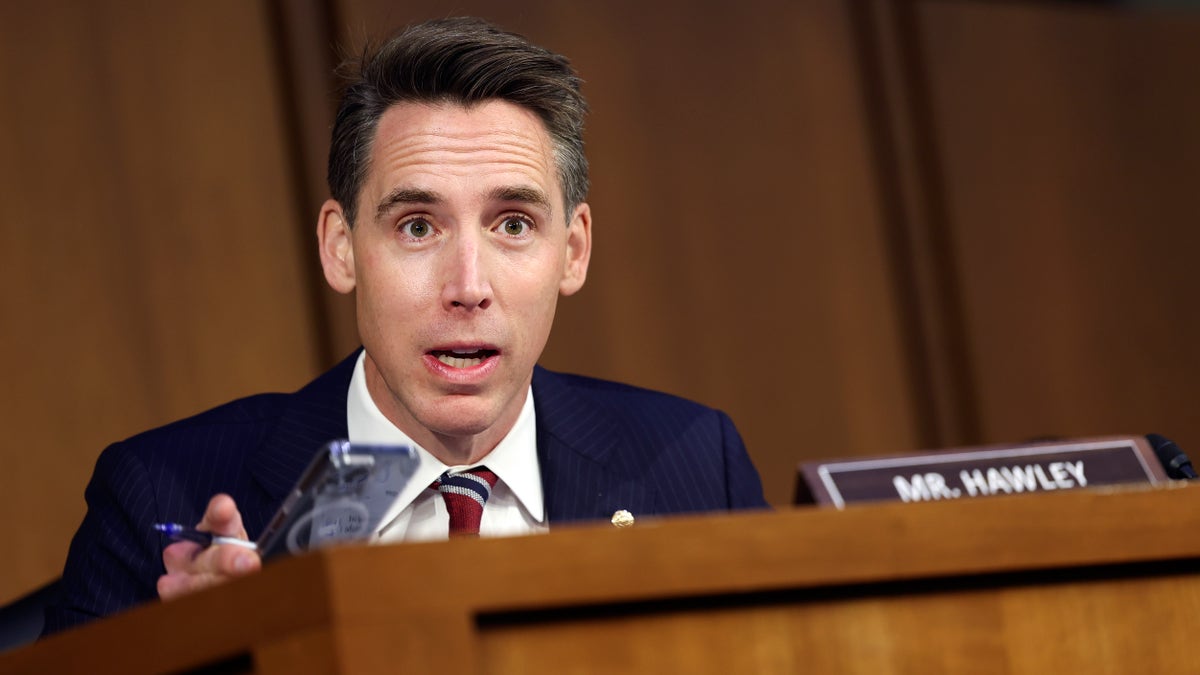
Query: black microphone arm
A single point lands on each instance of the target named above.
(1176, 463)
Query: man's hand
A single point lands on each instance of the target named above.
(191, 567)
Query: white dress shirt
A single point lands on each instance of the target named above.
(419, 513)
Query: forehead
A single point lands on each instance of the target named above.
(460, 150)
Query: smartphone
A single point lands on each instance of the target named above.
(342, 496)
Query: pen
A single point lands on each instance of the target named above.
(181, 533)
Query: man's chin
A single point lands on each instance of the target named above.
(460, 417)
(470, 422)
(458, 428)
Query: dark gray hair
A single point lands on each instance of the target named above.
(462, 61)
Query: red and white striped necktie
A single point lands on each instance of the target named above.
(465, 494)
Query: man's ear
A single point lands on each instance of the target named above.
(335, 243)
(579, 250)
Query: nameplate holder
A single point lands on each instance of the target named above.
(984, 471)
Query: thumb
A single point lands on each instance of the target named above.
(222, 517)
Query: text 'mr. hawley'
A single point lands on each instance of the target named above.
(1014, 479)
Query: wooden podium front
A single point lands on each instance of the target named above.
(1088, 581)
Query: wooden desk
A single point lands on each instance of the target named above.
(1089, 581)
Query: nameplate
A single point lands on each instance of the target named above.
(986, 471)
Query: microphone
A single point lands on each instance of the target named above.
(1176, 463)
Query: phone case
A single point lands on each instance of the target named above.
(341, 497)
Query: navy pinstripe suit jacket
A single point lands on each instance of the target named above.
(602, 446)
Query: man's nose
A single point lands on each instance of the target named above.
(466, 282)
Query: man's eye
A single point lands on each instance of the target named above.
(514, 226)
(417, 228)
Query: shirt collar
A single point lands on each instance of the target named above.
(514, 460)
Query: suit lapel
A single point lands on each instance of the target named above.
(583, 453)
(314, 415)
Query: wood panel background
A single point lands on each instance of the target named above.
(1069, 148)
(155, 258)
(856, 227)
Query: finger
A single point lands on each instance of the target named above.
(179, 557)
(222, 517)
(190, 569)
(185, 557)
(171, 586)
(228, 560)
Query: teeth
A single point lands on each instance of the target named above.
(458, 363)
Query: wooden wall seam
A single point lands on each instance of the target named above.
(912, 194)
(305, 37)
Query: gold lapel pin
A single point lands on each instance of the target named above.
(622, 518)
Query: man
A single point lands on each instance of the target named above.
(458, 217)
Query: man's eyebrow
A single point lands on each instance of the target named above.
(527, 195)
(406, 196)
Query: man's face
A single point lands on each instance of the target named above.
(460, 250)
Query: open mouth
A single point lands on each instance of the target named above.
(456, 358)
